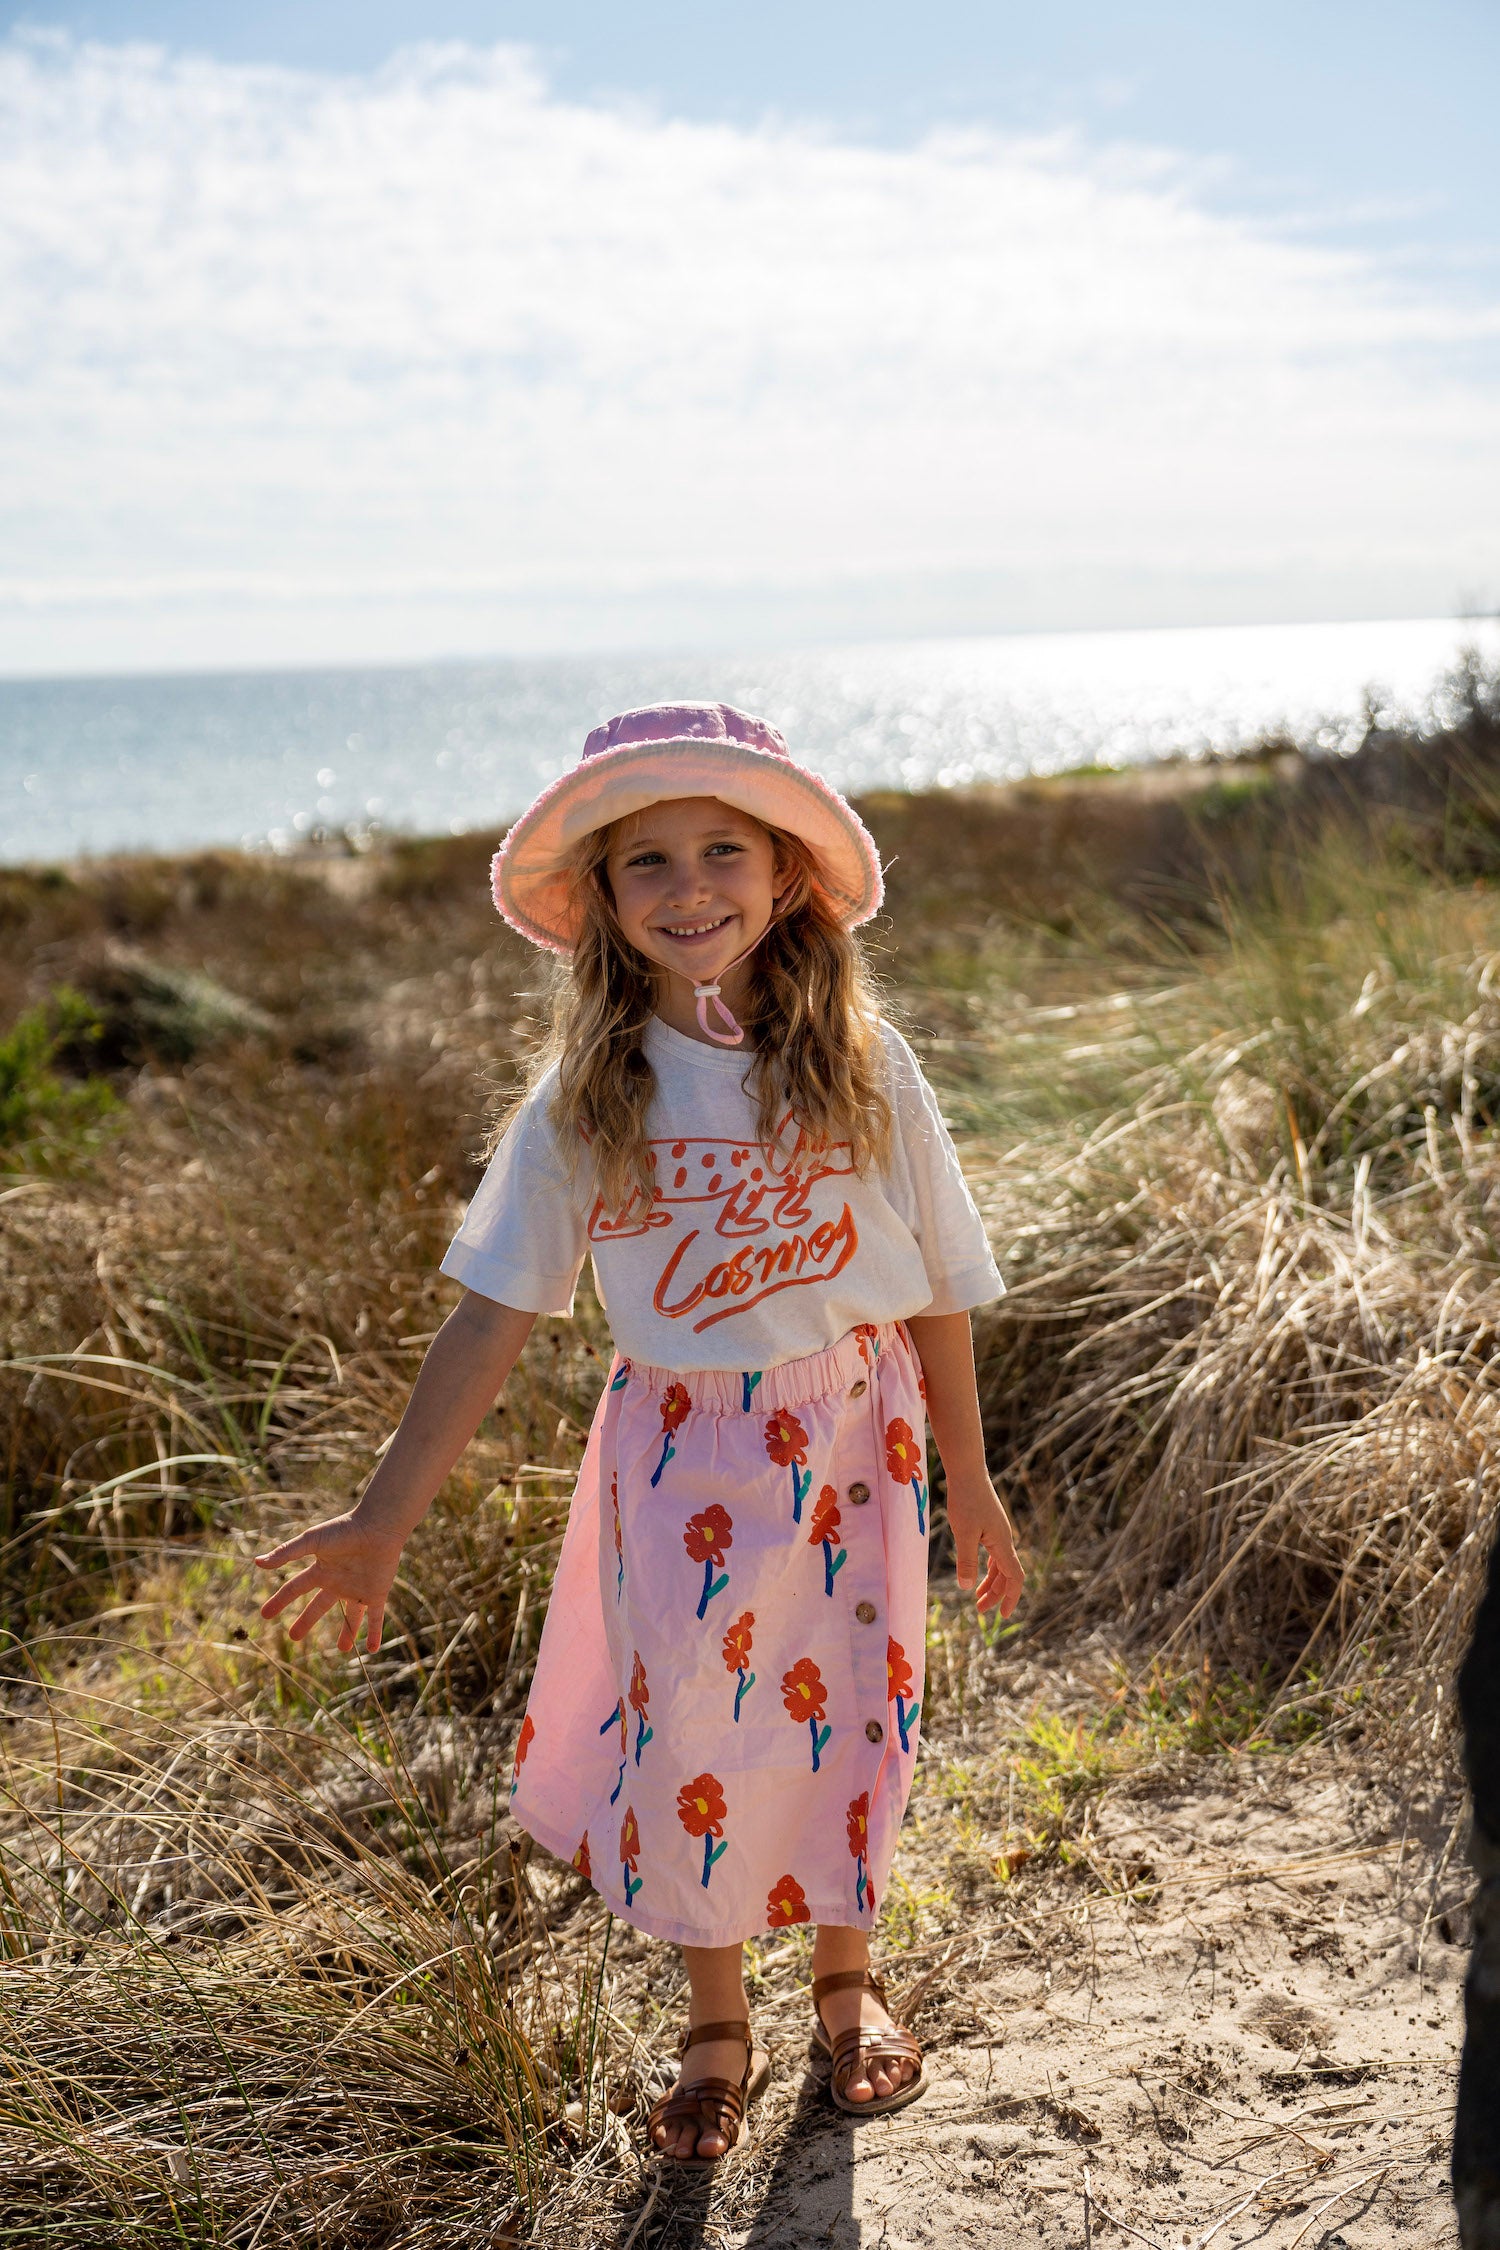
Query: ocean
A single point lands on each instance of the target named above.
(267, 760)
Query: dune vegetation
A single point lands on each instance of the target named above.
(1223, 1054)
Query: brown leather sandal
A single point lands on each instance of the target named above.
(858, 2050)
(714, 2105)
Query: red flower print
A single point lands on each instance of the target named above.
(581, 1857)
(709, 1533)
(786, 1440)
(897, 1670)
(639, 1698)
(825, 1522)
(524, 1741)
(701, 1807)
(802, 1690)
(903, 1455)
(630, 1839)
(786, 1443)
(675, 1409)
(737, 1642)
(858, 1823)
(898, 1689)
(675, 1406)
(614, 1501)
(786, 1904)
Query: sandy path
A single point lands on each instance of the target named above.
(1256, 2048)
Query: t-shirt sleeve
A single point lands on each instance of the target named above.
(928, 1189)
(524, 1237)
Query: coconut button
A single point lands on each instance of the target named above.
(859, 1494)
(865, 1612)
(874, 1731)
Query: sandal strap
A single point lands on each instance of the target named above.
(739, 2028)
(847, 1980)
(868, 2042)
(864, 2045)
(718, 2104)
(859, 2051)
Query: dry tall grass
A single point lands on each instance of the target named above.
(276, 1980)
(271, 1965)
(1249, 1214)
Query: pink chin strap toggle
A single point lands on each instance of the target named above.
(704, 994)
(735, 1035)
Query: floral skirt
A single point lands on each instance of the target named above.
(723, 1721)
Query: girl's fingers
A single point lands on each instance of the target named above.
(318, 1607)
(374, 1619)
(1004, 1579)
(290, 1550)
(303, 1583)
(1012, 1583)
(349, 1631)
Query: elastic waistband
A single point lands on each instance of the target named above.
(756, 1390)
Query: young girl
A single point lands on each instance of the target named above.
(724, 1716)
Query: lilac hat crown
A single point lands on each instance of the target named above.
(685, 722)
(666, 750)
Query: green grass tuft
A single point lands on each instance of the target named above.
(43, 1114)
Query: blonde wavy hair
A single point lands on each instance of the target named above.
(811, 1019)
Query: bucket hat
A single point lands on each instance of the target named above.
(678, 750)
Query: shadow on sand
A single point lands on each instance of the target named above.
(800, 2191)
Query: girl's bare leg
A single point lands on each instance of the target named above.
(717, 1995)
(837, 1948)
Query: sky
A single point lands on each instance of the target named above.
(342, 334)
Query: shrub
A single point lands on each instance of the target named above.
(37, 1105)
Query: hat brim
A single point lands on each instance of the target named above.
(532, 872)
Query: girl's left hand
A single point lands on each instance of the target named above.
(977, 1520)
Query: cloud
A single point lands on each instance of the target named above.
(436, 344)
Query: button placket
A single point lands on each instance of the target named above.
(867, 1558)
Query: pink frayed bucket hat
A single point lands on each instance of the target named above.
(678, 750)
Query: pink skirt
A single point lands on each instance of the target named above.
(723, 1721)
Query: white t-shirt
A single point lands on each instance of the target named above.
(744, 1259)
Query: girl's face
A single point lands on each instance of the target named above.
(694, 883)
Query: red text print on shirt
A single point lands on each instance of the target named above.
(763, 1206)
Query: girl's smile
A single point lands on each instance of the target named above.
(691, 932)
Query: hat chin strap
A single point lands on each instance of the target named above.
(734, 1034)
(708, 994)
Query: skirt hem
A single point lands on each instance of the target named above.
(681, 1933)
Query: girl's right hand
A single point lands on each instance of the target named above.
(348, 1561)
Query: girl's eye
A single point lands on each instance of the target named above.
(653, 858)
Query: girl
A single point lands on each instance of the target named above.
(724, 1717)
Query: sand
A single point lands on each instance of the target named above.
(1255, 2045)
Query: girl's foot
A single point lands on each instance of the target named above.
(843, 2011)
(730, 2073)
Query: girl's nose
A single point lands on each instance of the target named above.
(690, 887)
